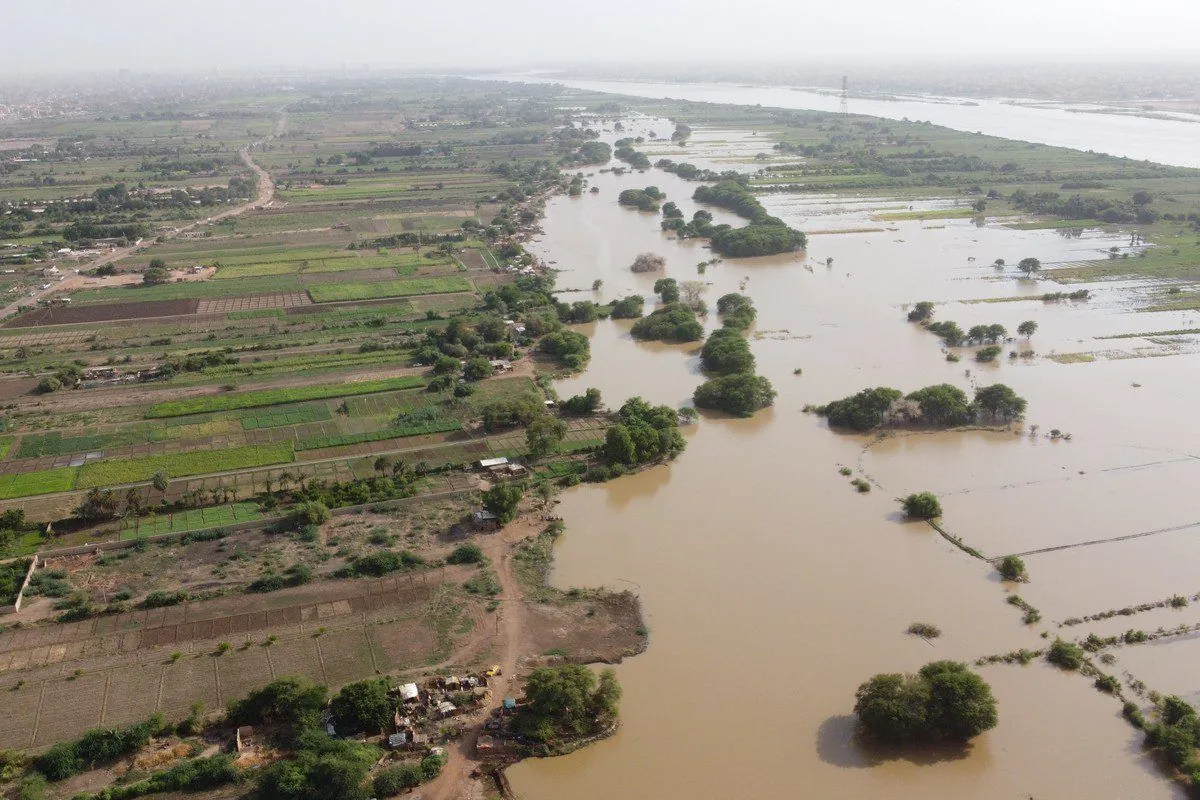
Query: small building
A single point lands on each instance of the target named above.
(485, 743)
(484, 520)
(409, 693)
(501, 365)
(489, 463)
(510, 705)
(446, 708)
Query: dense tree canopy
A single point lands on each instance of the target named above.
(945, 701)
(362, 706)
(674, 322)
(922, 505)
(503, 500)
(643, 434)
(941, 405)
(567, 702)
(569, 348)
(292, 701)
(741, 394)
(737, 310)
(726, 351)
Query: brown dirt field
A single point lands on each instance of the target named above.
(608, 635)
(254, 302)
(104, 313)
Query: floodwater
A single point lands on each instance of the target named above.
(772, 588)
(1166, 141)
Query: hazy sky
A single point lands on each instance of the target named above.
(102, 35)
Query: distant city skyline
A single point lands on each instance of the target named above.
(65, 36)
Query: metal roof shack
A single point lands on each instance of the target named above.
(409, 692)
(488, 463)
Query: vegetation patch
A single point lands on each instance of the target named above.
(271, 397)
(342, 292)
(110, 472)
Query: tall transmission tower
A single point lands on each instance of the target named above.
(844, 107)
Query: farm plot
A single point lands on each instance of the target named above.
(115, 471)
(272, 397)
(341, 292)
(190, 290)
(193, 520)
(440, 426)
(279, 417)
(28, 484)
(103, 313)
(261, 302)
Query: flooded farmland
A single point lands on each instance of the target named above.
(773, 589)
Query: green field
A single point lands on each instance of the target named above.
(340, 292)
(112, 472)
(274, 397)
(27, 484)
(193, 520)
(275, 418)
(315, 443)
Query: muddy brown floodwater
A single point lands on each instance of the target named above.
(773, 589)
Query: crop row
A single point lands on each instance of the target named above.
(341, 292)
(317, 442)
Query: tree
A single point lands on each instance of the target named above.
(362, 706)
(618, 446)
(1012, 568)
(648, 262)
(1027, 328)
(587, 403)
(692, 291)
(999, 403)
(308, 512)
(565, 702)
(667, 289)
(922, 505)
(296, 702)
(742, 394)
(160, 482)
(861, 411)
(945, 701)
(157, 263)
(1067, 655)
(503, 500)
(97, 505)
(672, 322)
(942, 404)
(48, 385)
(384, 464)
(726, 352)
(466, 554)
(544, 433)
(155, 276)
(921, 311)
(1029, 265)
(1142, 198)
(477, 369)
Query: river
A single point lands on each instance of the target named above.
(1165, 141)
(772, 588)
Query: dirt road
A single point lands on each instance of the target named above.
(455, 782)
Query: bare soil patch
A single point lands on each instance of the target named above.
(104, 313)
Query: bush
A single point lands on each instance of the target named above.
(921, 311)
(292, 701)
(922, 505)
(477, 369)
(587, 403)
(1065, 654)
(394, 780)
(466, 554)
(308, 512)
(1012, 568)
(861, 411)
(628, 307)
(945, 701)
(741, 394)
(737, 309)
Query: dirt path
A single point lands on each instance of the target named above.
(455, 782)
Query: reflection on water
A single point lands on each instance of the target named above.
(772, 588)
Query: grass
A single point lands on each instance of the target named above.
(342, 292)
(1072, 358)
(191, 290)
(27, 484)
(5, 445)
(273, 397)
(947, 213)
(116, 471)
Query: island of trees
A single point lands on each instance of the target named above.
(939, 406)
(641, 199)
(735, 389)
(944, 702)
(764, 236)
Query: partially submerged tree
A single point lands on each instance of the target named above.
(922, 505)
(648, 262)
(945, 701)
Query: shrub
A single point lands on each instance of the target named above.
(466, 554)
(925, 630)
(922, 505)
(921, 311)
(673, 322)
(1065, 654)
(308, 512)
(726, 352)
(394, 780)
(1012, 568)
(648, 262)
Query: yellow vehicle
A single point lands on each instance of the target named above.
(494, 671)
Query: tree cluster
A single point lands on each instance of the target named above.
(568, 702)
(941, 405)
(674, 322)
(641, 199)
(643, 434)
(944, 702)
